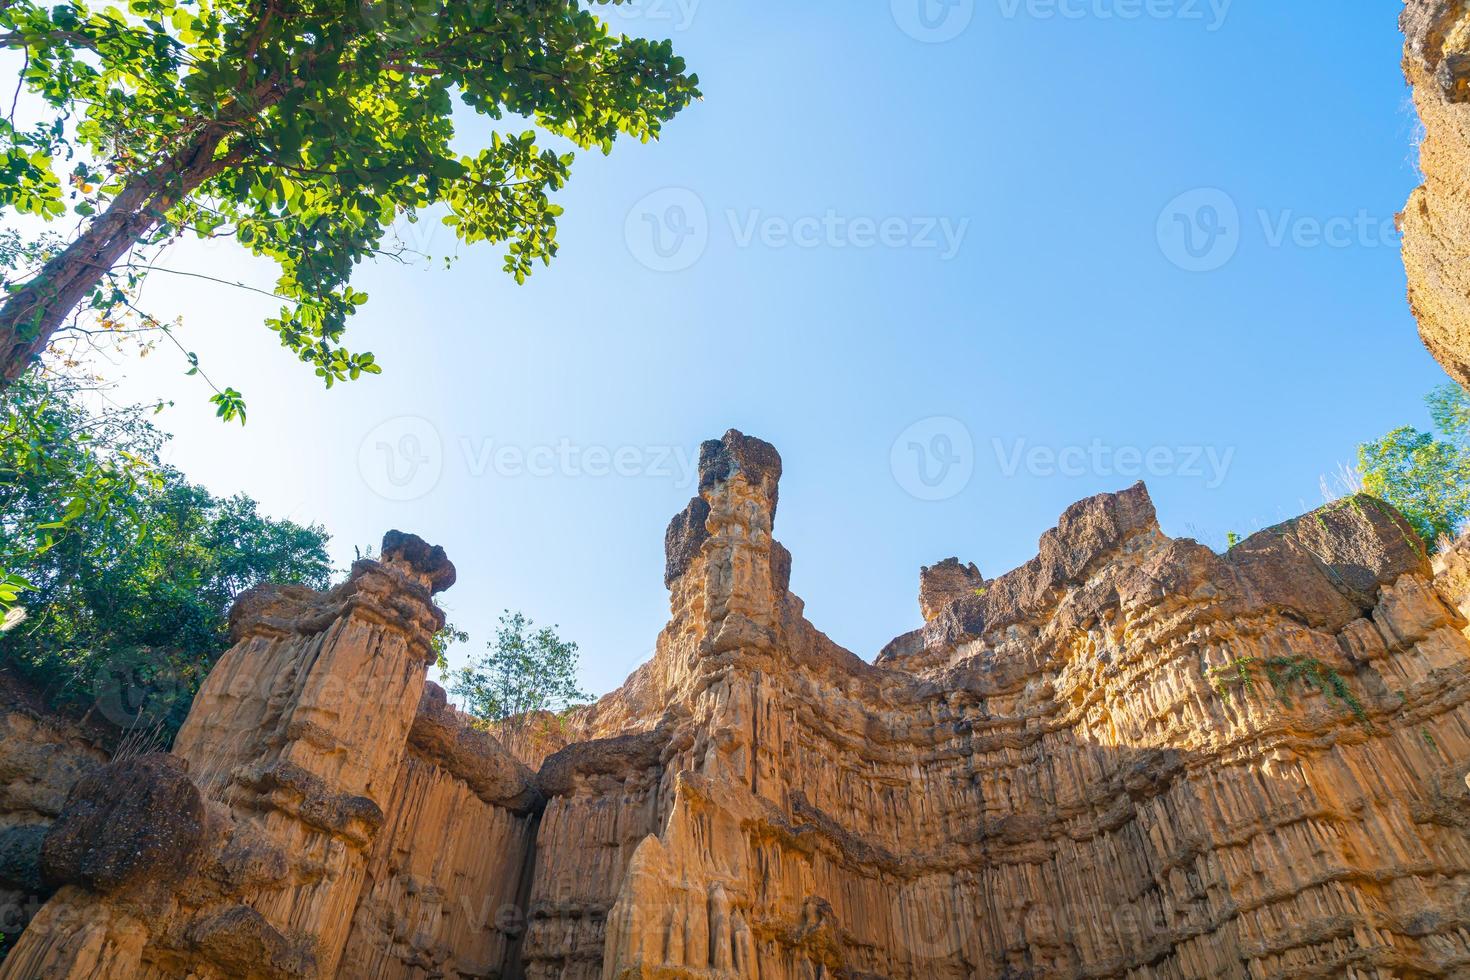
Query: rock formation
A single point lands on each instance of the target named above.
(1436, 221)
(942, 584)
(1130, 757)
(42, 757)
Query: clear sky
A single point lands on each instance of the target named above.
(962, 264)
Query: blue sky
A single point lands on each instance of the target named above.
(961, 269)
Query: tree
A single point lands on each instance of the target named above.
(127, 603)
(1426, 478)
(303, 129)
(523, 673)
(62, 469)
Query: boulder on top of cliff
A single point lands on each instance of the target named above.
(754, 459)
(446, 736)
(1365, 543)
(618, 755)
(1276, 572)
(943, 583)
(426, 562)
(1328, 565)
(129, 823)
(1088, 533)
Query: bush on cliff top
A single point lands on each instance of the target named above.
(1426, 477)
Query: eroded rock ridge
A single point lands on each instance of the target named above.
(1130, 757)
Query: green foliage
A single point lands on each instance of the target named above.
(441, 642)
(304, 129)
(525, 671)
(1280, 673)
(130, 569)
(1426, 477)
(61, 471)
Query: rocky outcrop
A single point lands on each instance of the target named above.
(946, 583)
(128, 825)
(1452, 574)
(1130, 757)
(443, 884)
(245, 853)
(42, 756)
(1061, 774)
(1436, 221)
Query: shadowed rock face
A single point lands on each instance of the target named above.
(130, 824)
(683, 539)
(413, 553)
(1436, 221)
(1130, 757)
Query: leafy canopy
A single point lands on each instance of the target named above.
(304, 129)
(127, 602)
(525, 671)
(1426, 477)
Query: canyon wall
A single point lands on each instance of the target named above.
(323, 812)
(1436, 221)
(42, 756)
(1131, 757)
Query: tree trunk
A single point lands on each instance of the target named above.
(33, 314)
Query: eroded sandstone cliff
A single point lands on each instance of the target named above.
(1053, 777)
(42, 756)
(1436, 221)
(1130, 757)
